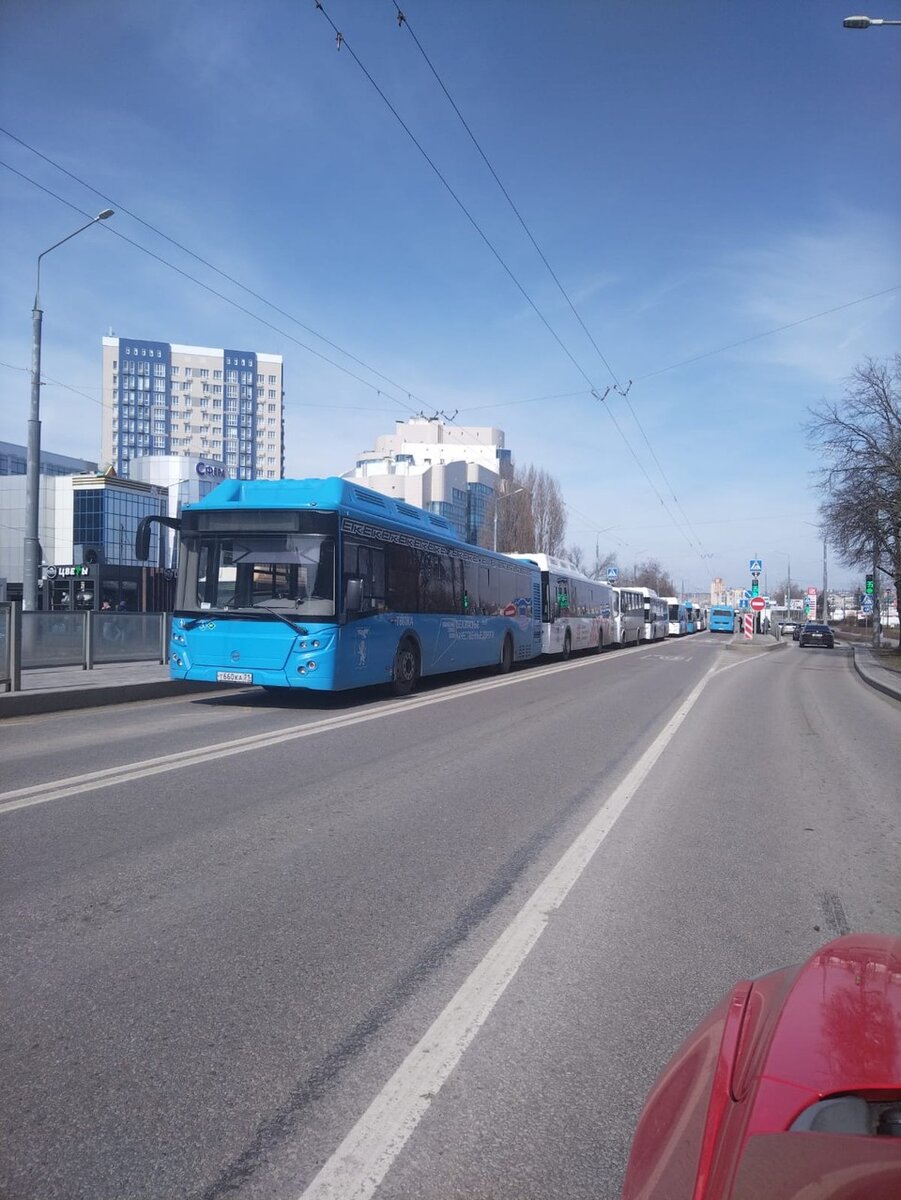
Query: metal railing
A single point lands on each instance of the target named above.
(87, 639)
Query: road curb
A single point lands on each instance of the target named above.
(744, 647)
(28, 704)
(887, 689)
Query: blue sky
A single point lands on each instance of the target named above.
(696, 174)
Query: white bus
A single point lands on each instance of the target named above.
(628, 612)
(656, 616)
(577, 613)
(678, 616)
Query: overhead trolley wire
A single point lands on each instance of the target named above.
(224, 274)
(220, 295)
(342, 44)
(403, 21)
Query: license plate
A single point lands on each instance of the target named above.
(234, 677)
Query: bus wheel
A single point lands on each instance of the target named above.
(567, 646)
(505, 666)
(406, 668)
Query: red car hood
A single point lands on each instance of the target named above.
(769, 1051)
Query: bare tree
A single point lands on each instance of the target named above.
(651, 574)
(547, 509)
(576, 555)
(860, 438)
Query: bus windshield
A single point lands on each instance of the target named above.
(292, 572)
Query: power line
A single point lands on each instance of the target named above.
(206, 287)
(769, 332)
(342, 43)
(403, 21)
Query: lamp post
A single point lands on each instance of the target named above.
(30, 565)
(498, 496)
(866, 22)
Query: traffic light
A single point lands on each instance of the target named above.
(755, 587)
(871, 586)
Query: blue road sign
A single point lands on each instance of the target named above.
(756, 565)
(867, 604)
(747, 594)
(744, 604)
(612, 574)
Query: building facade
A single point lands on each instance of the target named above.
(446, 469)
(190, 401)
(86, 529)
(14, 461)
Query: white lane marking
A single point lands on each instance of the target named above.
(43, 793)
(360, 1163)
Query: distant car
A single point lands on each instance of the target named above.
(816, 634)
(786, 627)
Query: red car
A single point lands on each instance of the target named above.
(789, 1089)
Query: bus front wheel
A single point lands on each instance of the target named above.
(406, 668)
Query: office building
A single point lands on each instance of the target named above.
(87, 524)
(14, 460)
(191, 401)
(451, 470)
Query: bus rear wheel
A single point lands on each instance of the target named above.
(505, 666)
(405, 675)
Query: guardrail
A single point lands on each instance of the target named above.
(70, 639)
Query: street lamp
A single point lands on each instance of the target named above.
(498, 496)
(30, 566)
(866, 22)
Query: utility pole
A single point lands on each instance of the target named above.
(825, 584)
(877, 631)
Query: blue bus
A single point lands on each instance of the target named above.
(722, 618)
(321, 584)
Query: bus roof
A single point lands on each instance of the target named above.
(330, 493)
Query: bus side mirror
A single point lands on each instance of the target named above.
(353, 596)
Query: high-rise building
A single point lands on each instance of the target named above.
(160, 398)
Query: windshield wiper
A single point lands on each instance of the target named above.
(281, 616)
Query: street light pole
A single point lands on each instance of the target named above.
(866, 22)
(31, 554)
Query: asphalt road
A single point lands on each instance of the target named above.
(237, 933)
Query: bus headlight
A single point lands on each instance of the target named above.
(176, 661)
(311, 666)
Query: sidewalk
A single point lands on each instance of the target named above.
(56, 689)
(880, 669)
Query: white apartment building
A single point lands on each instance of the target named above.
(165, 399)
(447, 469)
